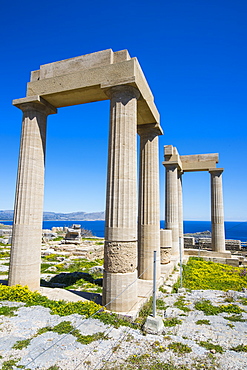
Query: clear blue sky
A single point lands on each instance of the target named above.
(193, 53)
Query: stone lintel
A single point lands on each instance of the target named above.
(20, 103)
(85, 79)
(199, 162)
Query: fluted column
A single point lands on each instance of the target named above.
(120, 252)
(171, 207)
(149, 209)
(25, 255)
(180, 210)
(217, 211)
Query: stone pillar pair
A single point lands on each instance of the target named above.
(121, 257)
(121, 241)
(174, 206)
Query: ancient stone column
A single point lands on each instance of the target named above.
(180, 210)
(149, 209)
(217, 211)
(120, 252)
(171, 207)
(25, 255)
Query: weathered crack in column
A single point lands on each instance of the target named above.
(25, 255)
(171, 208)
(149, 203)
(120, 252)
(217, 211)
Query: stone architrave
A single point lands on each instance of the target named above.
(149, 203)
(171, 206)
(27, 227)
(120, 254)
(217, 210)
(180, 211)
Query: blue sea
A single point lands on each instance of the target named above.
(234, 230)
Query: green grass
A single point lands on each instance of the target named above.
(181, 304)
(4, 254)
(243, 300)
(206, 306)
(172, 322)
(240, 348)
(146, 361)
(179, 348)
(20, 344)
(8, 311)
(9, 364)
(203, 322)
(210, 346)
(235, 318)
(199, 274)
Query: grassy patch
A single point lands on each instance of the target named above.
(240, 348)
(162, 289)
(20, 344)
(9, 364)
(172, 321)
(51, 257)
(181, 304)
(199, 274)
(179, 348)
(243, 300)
(203, 322)
(210, 346)
(235, 318)
(8, 311)
(4, 254)
(147, 361)
(65, 327)
(160, 304)
(206, 306)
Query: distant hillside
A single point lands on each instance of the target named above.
(53, 216)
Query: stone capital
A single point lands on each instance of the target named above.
(123, 92)
(216, 171)
(171, 165)
(150, 130)
(34, 103)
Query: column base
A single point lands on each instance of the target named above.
(113, 285)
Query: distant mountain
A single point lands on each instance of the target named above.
(53, 216)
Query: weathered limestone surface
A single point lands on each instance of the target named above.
(121, 205)
(217, 211)
(149, 209)
(27, 227)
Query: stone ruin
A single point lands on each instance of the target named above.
(129, 248)
(73, 234)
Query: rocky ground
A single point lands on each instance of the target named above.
(192, 339)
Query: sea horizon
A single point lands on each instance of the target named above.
(236, 230)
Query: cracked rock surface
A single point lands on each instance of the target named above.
(50, 348)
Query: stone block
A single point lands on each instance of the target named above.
(154, 325)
